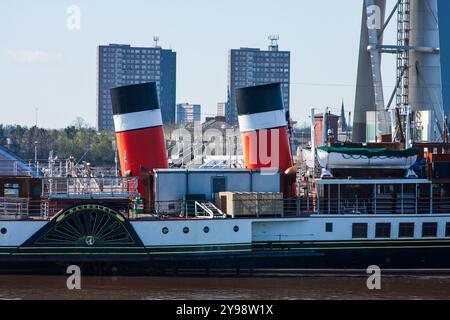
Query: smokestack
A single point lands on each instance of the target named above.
(139, 131)
(264, 130)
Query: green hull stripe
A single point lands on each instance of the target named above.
(200, 251)
(258, 247)
(202, 245)
(89, 248)
(358, 248)
(77, 253)
(353, 241)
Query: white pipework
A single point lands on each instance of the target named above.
(393, 124)
(313, 140)
(407, 130)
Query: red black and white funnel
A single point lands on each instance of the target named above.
(263, 127)
(138, 126)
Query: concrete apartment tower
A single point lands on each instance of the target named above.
(252, 66)
(120, 65)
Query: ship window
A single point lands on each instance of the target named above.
(328, 227)
(3, 230)
(186, 230)
(429, 229)
(406, 230)
(359, 230)
(447, 229)
(206, 229)
(165, 230)
(235, 228)
(382, 230)
(11, 190)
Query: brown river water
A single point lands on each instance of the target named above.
(231, 288)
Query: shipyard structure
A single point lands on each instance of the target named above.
(422, 79)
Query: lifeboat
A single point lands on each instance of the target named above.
(345, 157)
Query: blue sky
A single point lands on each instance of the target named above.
(45, 65)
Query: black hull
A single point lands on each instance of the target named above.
(331, 262)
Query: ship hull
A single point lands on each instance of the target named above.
(99, 239)
(333, 261)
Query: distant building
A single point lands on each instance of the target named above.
(250, 66)
(188, 113)
(221, 107)
(217, 122)
(342, 121)
(331, 127)
(119, 65)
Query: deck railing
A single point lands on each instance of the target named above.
(300, 206)
(14, 206)
(241, 208)
(71, 187)
(24, 208)
(15, 168)
(392, 205)
(20, 208)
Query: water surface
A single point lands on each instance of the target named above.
(205, 288)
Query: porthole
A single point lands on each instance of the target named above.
(186, 230)
(3, 230)
(206, 229)
(235, 228)
(165, 230)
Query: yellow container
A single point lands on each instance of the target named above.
(257, 204)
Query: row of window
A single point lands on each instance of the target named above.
(130, 52)
(113, 80)
(261, 54)
(134, 63)
(110, 74)
(259, 75)
(261, 67)
(243, 81)
(383, 229)
(165, 230)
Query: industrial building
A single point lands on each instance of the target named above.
(188, 114)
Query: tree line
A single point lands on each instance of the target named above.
(77, 140)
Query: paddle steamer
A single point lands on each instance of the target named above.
(341, 206)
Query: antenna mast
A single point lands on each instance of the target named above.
(273, 38)
(155, 40)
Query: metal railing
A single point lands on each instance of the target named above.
(208, 209)
(303, 206)
(24, 208)
(240, 208)
(14, 207)
(15, 168)
(392, 205)
(20, 208)
(71, 187)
